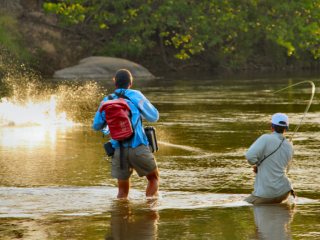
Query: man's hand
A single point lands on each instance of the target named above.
(255, 169)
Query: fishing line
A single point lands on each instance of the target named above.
(294, 132)
(307, 107)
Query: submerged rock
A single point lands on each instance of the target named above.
(102, 68)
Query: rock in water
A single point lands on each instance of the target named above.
(102, 68)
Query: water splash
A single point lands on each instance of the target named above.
(32, 113)
(28, 100)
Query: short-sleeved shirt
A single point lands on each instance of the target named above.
(271, 179)
(140, 107)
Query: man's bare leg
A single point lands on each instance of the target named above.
(123, 188)
(153, 184)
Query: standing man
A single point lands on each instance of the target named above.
(271, 154)
(135, 153)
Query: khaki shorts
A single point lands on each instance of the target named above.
(140, 159)
(259, 200)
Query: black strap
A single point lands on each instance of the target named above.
(122, 148)
(121, 154)
(259, 163)
(110, 97)
(122, 95)
(119, 95)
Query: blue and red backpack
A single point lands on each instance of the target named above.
(118, 117)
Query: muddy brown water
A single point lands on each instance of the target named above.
(55, 181)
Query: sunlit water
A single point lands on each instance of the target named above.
(56, 184)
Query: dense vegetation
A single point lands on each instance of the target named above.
(233, 34)
(213, 34)
(11, 40)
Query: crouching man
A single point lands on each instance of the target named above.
(270, 156)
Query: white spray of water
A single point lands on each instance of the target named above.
(32, 113)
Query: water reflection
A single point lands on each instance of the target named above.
(32, 113)
(21, 137)
(273, 221)
(204, 129)
(129, 221)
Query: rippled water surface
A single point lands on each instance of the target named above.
(55, 181)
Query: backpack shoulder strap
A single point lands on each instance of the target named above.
(110, 97)
(122, 95)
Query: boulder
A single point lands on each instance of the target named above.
(102, 68)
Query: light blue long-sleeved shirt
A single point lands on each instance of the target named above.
(271, 179)
(140, 106)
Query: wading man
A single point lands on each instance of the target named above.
(271, 154)
(134, 152)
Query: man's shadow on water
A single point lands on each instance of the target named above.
(273, 221)
(133, 221)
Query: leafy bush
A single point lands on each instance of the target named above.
(231, 33)
(10, 37)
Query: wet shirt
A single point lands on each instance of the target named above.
(271, 179)
(140, 106)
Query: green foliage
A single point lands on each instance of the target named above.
(231, 33)
(10, 38)
(70, 11)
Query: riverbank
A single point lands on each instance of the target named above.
(44, 44)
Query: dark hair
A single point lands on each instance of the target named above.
(279, 129)
(123, 78)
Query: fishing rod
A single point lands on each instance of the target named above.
(296, 128)
(307, 107)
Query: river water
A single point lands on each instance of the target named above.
(55, 180)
